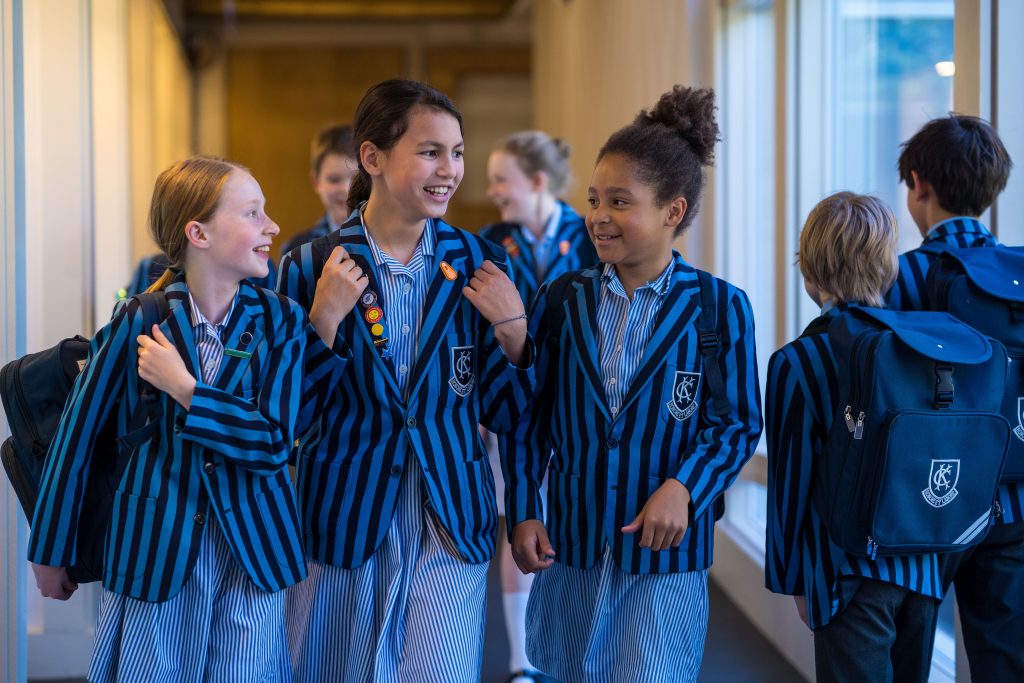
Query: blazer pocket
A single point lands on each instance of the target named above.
(680, 391)
(280, 527)
(459, 365)
(132, 516)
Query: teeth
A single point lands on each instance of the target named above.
(437, 191)
(265, 248)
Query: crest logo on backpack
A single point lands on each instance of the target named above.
(684, 395)
(461, 380)
(1019, 429)
(942, 483)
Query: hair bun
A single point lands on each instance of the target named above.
(690, 112)
(563, 147)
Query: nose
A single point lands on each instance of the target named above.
(271, 227)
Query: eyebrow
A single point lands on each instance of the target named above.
(621, 190)
(435, 143)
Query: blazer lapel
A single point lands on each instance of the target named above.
(443, 298)
(581, 313)
(246, 328)
(678, 313)
(353, 239)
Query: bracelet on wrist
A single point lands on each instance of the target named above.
(521, 316)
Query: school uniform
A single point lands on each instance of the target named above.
(397, 498)
(621, 405)
(861, 610)
(564, 246)
(989, 578)
(204, 532)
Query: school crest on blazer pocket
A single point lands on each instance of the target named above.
(684, 395)
(462, 378)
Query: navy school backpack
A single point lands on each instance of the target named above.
(984, 287)
(34, 389)
(913, 458)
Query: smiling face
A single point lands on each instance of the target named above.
(421, 172)
(512, 191)
(239, 233)
(625, 223)
(332, 184)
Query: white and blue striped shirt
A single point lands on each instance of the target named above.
(209, 345)
(403, 293)
(624, 327)
(542, 245)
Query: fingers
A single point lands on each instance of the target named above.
(635, 525)
(338, 254)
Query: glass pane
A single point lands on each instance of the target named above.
(893, 62)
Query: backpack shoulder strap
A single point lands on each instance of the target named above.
(710, 342)
(144, 421)
(817, 326)
(553, 309)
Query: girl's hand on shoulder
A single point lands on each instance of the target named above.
(341, 284)
(161, 365)
(664, 518)
(53, 582)
(531, 548)
(494, 295)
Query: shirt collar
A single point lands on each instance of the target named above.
(550, 228)
(199, 319)
(425, 246)
(659, 285)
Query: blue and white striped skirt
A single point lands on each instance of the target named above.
(412, 612)
(602, 625)
(220, 627)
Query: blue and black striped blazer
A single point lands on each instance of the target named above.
(349, 484)
(573, 250)
(603, 468)
(224, 458)
(910, 293)
(803, 388)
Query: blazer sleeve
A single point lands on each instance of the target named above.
(790, 458)
(724, 444)
(256, 436)
(505, 386)
(526, 450)
(95, 392)
(322, 366)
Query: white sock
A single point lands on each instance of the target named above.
(515, 625)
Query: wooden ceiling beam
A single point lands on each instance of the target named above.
(361, 10)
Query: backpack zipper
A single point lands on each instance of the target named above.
(872, 547)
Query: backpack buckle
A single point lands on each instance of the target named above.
(943, 386)
(709, 341)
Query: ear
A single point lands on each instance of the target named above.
(312, 178)
(922, 189)
(674, 212)
(540, 181)
(195, 233)
(370, 158)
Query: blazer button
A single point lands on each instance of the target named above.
(613, 444)
(199, 518)
(395, 470)
(411, 422)
(209, 467)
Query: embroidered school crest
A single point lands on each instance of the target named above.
(461, 380)
(1019, 429)
(942, 481)
(684, 395)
